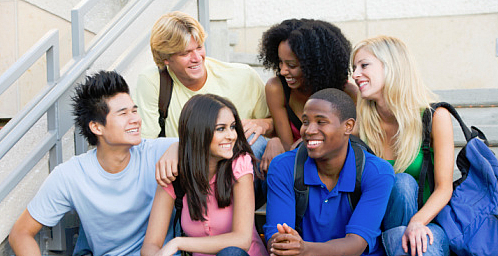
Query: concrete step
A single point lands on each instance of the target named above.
(477, 107)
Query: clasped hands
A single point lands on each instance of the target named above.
(286, 242)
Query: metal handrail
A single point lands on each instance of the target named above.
(11, 181)
(78, 27)
(49, 45)
(52, 98)
(129, 54)
(47, 101)
(77, 22)
(12, 132)
(203, 13)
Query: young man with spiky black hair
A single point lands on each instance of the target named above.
(111, 187)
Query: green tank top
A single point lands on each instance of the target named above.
(414, 171)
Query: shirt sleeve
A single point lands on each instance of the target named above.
(242, 166)
(377, 182)
(261, 108)
(52, 201)
(147, 100)
(170, 190)
(281, 203)
(158, 146)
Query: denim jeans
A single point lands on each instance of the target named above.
(401, 207)
(232, 251)
(258, 148)
(260, 186)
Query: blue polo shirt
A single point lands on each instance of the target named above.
(328, 215)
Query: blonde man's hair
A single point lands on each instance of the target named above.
(404, 93)
(171, 34)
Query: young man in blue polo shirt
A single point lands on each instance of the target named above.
(329, 226)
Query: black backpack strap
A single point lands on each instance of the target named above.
(427, 164)
(468, 133)
(301, 190)
(427, 170)
(359, 155)
(165, 90)
(179, 193)
(356, 140)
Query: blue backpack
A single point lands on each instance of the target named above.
(470, 219)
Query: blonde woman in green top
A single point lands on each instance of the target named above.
(393, 97)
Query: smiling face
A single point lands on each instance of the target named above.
(324, 135)
(122, 123)
(289, 66)
(224, 136)
(189, 65)
(368, 73)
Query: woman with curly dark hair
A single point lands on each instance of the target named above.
(307, 55)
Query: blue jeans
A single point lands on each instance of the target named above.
(260, 186)
(258, 148)
(232, 251)
(401, 207)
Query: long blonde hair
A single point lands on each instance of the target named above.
(405, 95)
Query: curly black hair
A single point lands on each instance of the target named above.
(322, 50)
(89, 102)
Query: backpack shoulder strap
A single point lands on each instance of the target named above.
(301, 191)
(427, 164)
(359, 155)
(427, 170)
(468, 133)
(165, 90)
(179, 193)
(356, 140)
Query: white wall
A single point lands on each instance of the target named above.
(257, 13)
(453, 41)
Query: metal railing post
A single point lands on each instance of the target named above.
(203, 14)
(10, 134)
(53, 74)
(78, 46)
(77, 32)
(78, 26)
(29, 58)
(55, 153)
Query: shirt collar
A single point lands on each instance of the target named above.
(347, 177)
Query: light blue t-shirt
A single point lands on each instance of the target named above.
(113, 208)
